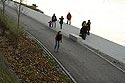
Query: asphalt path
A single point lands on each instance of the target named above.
(84, 65)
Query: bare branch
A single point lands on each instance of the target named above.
(19, 10)
(3, 4)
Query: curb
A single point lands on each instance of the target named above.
(52, 56)
(102, 57)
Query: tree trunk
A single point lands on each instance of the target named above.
(18, 21)
(3, 7)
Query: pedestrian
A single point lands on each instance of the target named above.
(58, 40)
(88, 27)
(83, 30)
(69, 16)
(54, 19)
(50, 23)
(61, 21)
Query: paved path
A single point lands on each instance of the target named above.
(83, 65)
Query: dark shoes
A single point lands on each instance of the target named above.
(88, 33)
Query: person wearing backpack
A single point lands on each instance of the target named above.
(83, 30)
(54, 19)
(61, 21)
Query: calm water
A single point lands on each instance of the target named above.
(107, 16)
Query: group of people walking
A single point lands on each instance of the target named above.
(84, 31)
(52, 22)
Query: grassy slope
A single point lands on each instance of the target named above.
(46, 71)
(5, 75)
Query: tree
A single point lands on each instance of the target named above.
(19, 11)
(3, 4)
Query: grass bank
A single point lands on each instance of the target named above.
(6, 76)
(25, 57)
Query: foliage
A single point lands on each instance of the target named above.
(19, 9)
(3, 4)
(27, 59)
(9, 24)
(28, 62)
(6, 76)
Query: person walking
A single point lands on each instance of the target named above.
(61, 21)
(88, 27)
(69, 16)
(58, 40)
(83, 30)
(54, 19)
(50, 23)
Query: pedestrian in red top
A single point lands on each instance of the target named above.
(58, 40)
(69, 16)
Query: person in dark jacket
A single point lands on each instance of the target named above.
(54, 19)
(61, 21)
(50, 23)
(88, 27)
(83, 30)
(69, 16)
(58, 40)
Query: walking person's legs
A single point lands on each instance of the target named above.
(88, 32)
(58, 45)
(60, 26)
(52, 24)
(55, 24)
(84, 36)
(69, 22)
(55, 45)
